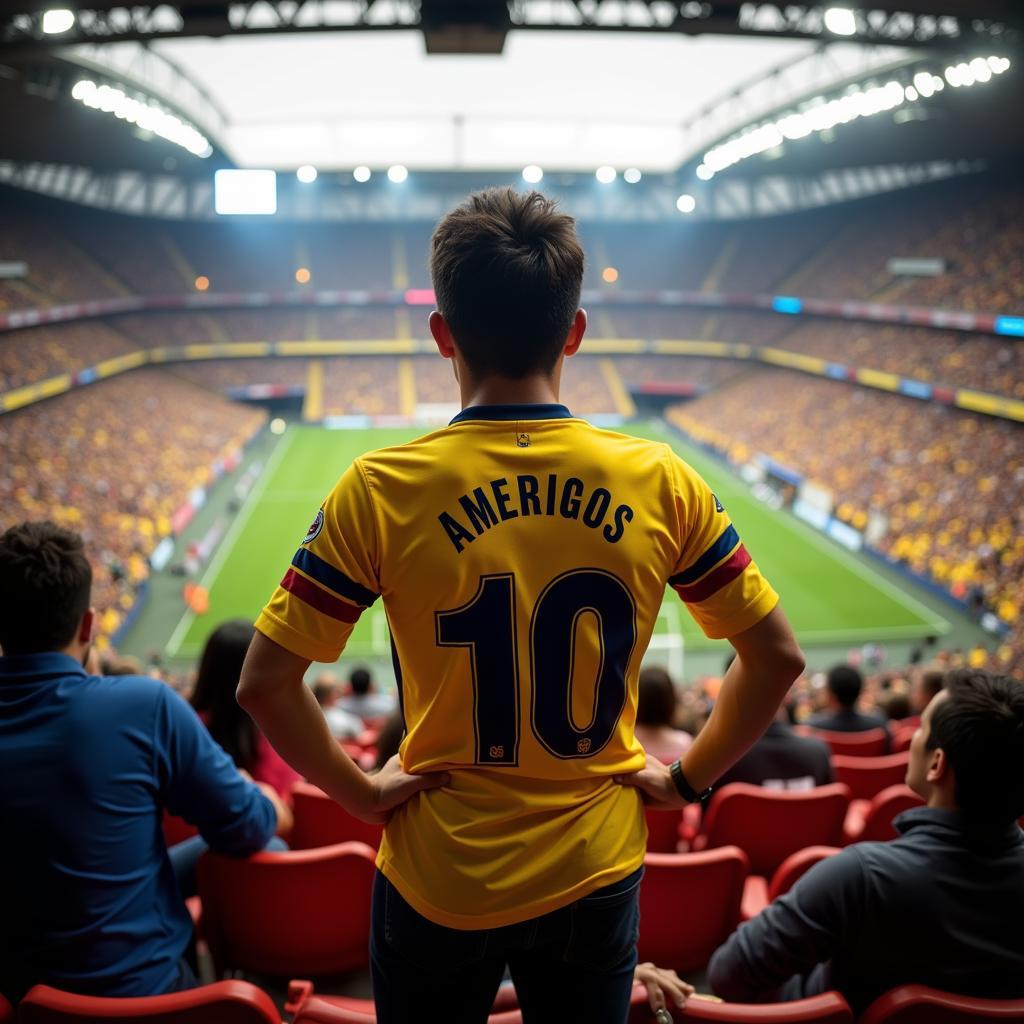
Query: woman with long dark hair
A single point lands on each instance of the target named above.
(214, 700)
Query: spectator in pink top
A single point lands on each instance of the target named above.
(655, 715)
(214, 700)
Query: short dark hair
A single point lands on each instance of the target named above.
(45, 582)
(507, 270)
(980, 727)
(657, 700)
(845, 683)
(360, 679)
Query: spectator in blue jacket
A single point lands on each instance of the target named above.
(88, 765)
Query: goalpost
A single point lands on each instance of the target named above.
(667, 646)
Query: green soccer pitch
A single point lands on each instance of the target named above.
(831, 596)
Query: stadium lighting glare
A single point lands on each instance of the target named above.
(998, 65)
(704, 172)
(306, 174)
(632, 175)
(980, 69)
(532, 174)
(361, 173)
(924, 84)
(911, 93)
(245, 191)
(606, 175)
(202, 283)
(143, 114)
(397, 174)
(840, 21)
(57, 21)
(686, 203)
(303, 276)
(278, 426)
(609, 275)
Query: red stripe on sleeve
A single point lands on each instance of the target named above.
(319, 599)
(718, 578)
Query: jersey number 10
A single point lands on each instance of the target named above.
(486, 626)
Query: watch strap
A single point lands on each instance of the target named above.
(683, 787)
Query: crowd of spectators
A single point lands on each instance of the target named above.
(115, 461)
(37, 353)
(360, 385)
(943, 485)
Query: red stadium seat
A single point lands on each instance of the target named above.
(769, 824)
(300, 912)
(226, 1002)
(689, 905)
(918, 1004)
(828, 1008)
(902, 737)
(662, 830)
(757, 896)
(870, 743)
(6, 1011)
(793, 868)
(308, 1008)
(868, 776)
(871, 820)
(177, 830)
(319, 821)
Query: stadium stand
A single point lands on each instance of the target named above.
(72, 460)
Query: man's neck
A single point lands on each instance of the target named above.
(539, 390)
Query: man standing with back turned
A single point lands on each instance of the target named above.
(522, 556)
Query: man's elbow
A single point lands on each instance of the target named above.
(791, 661)
(249, 692)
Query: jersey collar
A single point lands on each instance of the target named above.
(527, 411)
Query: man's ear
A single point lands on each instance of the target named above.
(86, 626)
(938, 766)
(576, 332)
(442, 334)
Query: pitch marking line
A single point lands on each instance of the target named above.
(228, 543)
(866, 573)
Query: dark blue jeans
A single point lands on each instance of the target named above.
(575, 963)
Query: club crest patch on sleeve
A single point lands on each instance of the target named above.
(314, 528)
(719, 507)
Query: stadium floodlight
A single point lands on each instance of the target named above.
(397, 174)
(532, 174)
(245, 192)
(911, 93)
(306, 174)
(704, 172)
(632, 175)
(606, 175)
(58, 21)
(146, 115)
(841, 21)
(924, 83)
(686, 203)
(998, 65)
(362, 173)
(980, 69)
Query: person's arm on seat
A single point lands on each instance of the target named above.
(768, 660)
(200, 783)
(794, 934)
(273, 692)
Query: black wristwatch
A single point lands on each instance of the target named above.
(683, 787)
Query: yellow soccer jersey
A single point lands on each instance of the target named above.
(522, 556)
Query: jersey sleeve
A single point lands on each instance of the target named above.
(332, 579)
(721, 585)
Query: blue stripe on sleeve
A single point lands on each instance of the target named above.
(714, 554)
(333, 579)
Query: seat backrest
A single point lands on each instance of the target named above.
(828, 1008)
(319, 821)
(892, 801)
(868, 776)
(918, 1004)
(6, 1011)
(689, 905)
(302, 912)
(769, 825)
(662, 830)
(324, 1011)
(870, 743)
(177, 830)
(225, 1002)
(795, 866)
